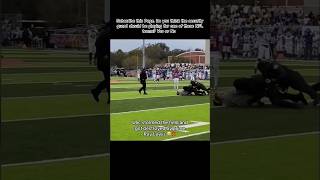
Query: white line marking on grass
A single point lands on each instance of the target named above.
(57, 83)
(55, 160)
(143, 110)
(189, 135)
(84, 85)
(53, 117)
(47, 96)
(266, 138)
(50, 82)
(97, 114)
(145, 97)
(53, 73)
(194, 124)
(82, 94)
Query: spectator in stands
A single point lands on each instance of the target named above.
(27, 37)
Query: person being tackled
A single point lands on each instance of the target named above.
(286, 78)
(200, 87)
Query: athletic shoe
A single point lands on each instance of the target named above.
(95, 94)
(302, 99)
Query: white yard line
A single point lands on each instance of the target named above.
(55, 160)
(51, 117)
(46, 96)
(50, 82)
(189, 135)
(265, 138)
(173, 107)
(97, 114)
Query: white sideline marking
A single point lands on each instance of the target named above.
(194, 124)
(173, 107)
(55, 160)
(265, 138)
(53, 73)
(49, 82)
(46, 96)
(84, 85)
(57, 83)
(143, 97)
(52, 117)
(189, 135)
(98, 114)
(81, 94)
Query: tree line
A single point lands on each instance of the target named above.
(155, 54)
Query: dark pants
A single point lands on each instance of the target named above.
(144, 86)
(284, 99)
(90, 58)
(297, 82)
(201, 86)
(104, 84)
(308, 52)
(316, 87)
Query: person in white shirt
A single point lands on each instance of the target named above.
(235, 42)
(92, 36)
(264, 52)
(246, 45)
(315, 43)
(289, 44)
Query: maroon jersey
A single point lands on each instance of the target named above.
(176, 74)
(227, 40)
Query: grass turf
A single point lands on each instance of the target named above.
(293, 158)
(289, 158)
(266, 159)
(35, 73)
(122, 127)
(83, 169)
(161, 103)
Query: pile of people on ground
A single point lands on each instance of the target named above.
(270, 86)
(194, 89)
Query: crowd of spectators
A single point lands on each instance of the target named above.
(186, 71)
(14, 35)
(289, 32)
(246, 15)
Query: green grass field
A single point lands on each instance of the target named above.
(264, 143)
(161, 104)
(51, 127)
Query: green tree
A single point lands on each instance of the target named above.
(117, 58)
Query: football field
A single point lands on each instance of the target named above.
(161, 104)
(265, 142)
(51, 127)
